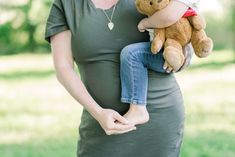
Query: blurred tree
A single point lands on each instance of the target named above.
(220, 26)
(233, 26)
(22, 24)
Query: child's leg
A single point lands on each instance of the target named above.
(135, 60)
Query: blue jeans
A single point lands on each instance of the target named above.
(135, 60)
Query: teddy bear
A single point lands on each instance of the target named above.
(176, 36)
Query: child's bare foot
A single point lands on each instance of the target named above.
(137, 114)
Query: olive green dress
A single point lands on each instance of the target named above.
(96, 51)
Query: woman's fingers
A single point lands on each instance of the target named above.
(118, 128)
(122, 127)
(115, 132)
(119, 125)
(167, 67)
(122, 123)
(120, 118)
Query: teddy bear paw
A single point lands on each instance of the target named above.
(205, 48)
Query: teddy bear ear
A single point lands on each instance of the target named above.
(138, 6)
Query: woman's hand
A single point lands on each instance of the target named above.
(142, 24)
(188, 54)
(113, 123)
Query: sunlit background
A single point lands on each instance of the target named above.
(38, 118)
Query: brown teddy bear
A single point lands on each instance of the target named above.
(176, 36)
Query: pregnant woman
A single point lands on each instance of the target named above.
(92, 33)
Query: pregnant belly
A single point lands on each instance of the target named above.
(102, 80)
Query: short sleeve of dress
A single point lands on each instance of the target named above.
(56, 21)
(191, 3)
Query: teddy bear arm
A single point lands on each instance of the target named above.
(158, 40)
(197, 22)
(202, 44)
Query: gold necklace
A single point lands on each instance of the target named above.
(110, 24)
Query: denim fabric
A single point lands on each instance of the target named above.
(135, 60)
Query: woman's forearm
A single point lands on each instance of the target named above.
(64, 66)
(73, 84)
(167, 16)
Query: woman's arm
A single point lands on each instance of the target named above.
(165, 17)
(64, 66)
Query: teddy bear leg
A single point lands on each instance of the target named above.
(173, 54)
(158, 40)
(197, 22)
(202, 44)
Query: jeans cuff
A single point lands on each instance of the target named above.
(133, 101)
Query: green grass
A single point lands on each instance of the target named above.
(38, 118)
(208, 89)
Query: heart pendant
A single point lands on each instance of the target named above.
(110, 25)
